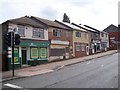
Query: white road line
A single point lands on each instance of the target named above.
(88, 62)
(12, 86)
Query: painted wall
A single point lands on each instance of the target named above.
(28, 32)
(81, 39)
(105, 38)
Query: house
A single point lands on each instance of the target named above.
(104, 36)
(34, 42)
(80, 40)
(114, 36)
(95, 41)
(60, 38)
(94, 38)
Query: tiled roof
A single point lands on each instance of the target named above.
(70, 25)
(49, 22)
(91, 28)
(85, 28)
(111, 28)
(25, 21)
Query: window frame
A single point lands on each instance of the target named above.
(19, 29)
(78, 34)
(68, 34)
(82, 47)
(77, 46)
(39, 33)
(57, 32)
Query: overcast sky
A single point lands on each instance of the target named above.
(95, 13)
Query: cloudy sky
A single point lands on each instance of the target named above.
(96, 13)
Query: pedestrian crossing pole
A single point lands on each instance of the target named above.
(12, 44)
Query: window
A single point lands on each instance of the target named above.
(43, 53)
(96, 35)
(78, 34)
(77, 47)
(85, 35)
(102, 34)
(21, 30)
(34, 52)
(68, 33)
(106, 35)
(38, 32)
(83, 47)
(56, 33)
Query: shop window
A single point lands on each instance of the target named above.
(77, 47)
(43, 53)
(82, 47)
(34, 52)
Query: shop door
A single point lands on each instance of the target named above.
(24, 56)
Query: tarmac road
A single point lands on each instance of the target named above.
(97, 73)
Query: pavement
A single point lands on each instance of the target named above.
(49, 67)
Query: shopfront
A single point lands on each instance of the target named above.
(30, 53)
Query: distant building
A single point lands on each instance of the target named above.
(104, 36)
(94, 38)
(114, 36)
(80, 40)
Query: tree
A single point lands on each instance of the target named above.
(66, 18)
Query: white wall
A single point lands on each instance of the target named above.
(28, 31)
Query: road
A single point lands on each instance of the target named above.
(97, 73)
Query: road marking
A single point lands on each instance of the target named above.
(12, 86)
(60, 67)
(88, 62)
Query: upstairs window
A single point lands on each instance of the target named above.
(56, 32)
(38, 32)
(21, 30)
(85, 35)
(68, 34)
(102, 34)
(78, 34)
(106, 35)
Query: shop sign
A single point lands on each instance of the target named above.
(16, 56)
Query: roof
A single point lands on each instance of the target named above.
(49, 22)
(83, 27)
(70, 25)
(25, 21)
(91, 28)
(111, 28)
